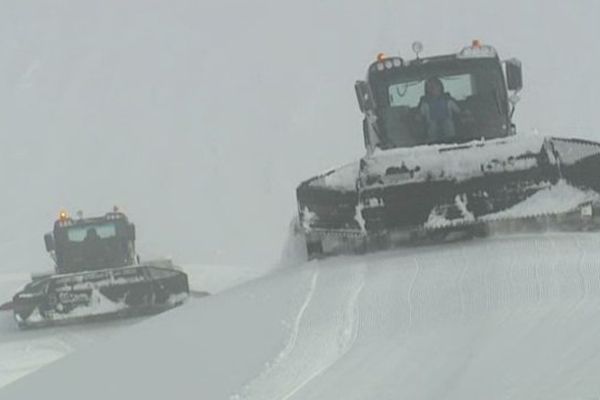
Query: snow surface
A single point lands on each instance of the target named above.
(511, 317)
(199, 119)
(460, 162)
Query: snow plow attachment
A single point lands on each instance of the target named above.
(429, 192)
(93, 295)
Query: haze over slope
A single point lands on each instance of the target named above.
(200, 118)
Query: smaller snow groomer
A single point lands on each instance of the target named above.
(443, 159)
(98, 275)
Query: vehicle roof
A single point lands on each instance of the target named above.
(108, 217)
(467, 53)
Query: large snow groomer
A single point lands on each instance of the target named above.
(97, 275)
(443, 161)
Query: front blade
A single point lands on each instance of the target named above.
(412, 193)
(453, 184)
(119, 292)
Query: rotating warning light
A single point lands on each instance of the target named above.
(63, 215)
(477, 50)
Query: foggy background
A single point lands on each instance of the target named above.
(199, 119)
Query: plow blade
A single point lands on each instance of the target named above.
(93, 295)
(429, 192)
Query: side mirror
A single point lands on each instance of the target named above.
(49, 242)
(363, 95)
(132, 232)
(514, 74)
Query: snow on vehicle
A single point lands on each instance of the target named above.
(443, 159)
(98, 275)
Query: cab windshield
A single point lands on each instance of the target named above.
(409, 94)
(79, 233)
(450, 101)
(92, 246)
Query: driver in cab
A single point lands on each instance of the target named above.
(93, 248)
(438, 109)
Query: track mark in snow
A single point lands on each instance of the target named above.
(19, 359)
(410, 293)
(461, 282)
(584, 291)
(348, 336)
(321, 334)
(289, 347)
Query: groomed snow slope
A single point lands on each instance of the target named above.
(22, 352)
(511, 317)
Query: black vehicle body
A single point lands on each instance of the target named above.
(410, 187)
(97, 276)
